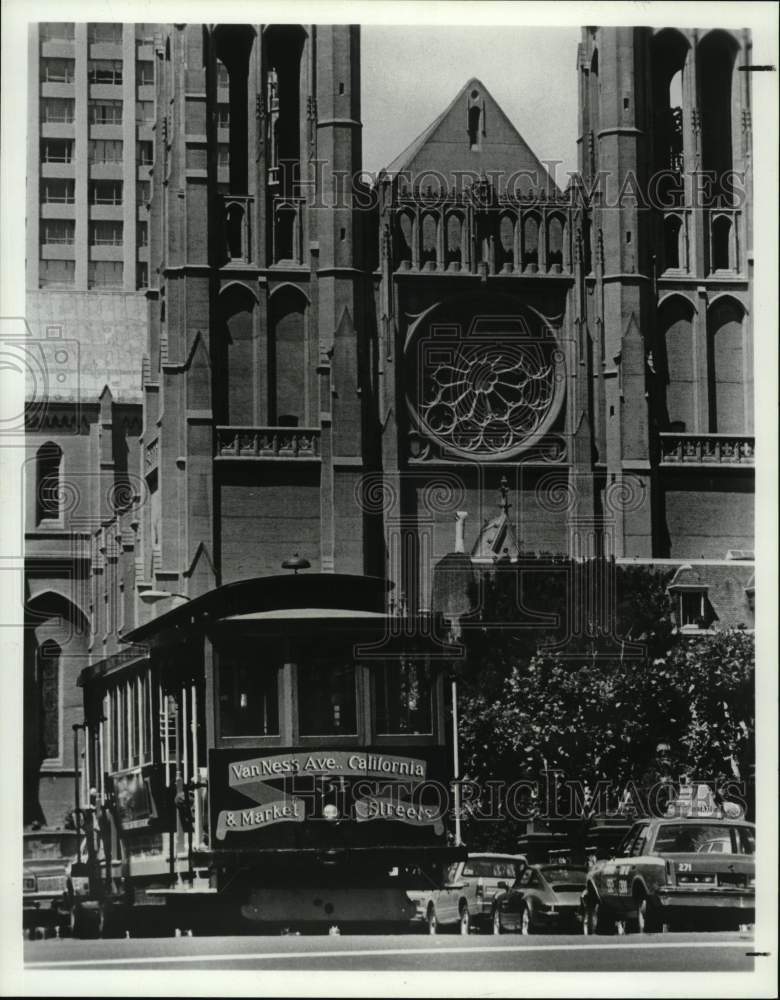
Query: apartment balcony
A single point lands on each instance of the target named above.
(268, 443)
(707, 450)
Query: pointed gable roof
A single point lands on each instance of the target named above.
(444, 147)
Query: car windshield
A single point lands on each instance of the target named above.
(61, 845)
(704, 838)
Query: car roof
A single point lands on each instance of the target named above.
(699, 820)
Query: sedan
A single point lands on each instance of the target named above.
(543, 898)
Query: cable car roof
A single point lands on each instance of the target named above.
(331, 594)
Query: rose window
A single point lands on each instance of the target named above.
(489, 396)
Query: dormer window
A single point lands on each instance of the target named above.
(693, 609)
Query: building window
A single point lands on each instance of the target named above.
(104, 70)
(48, 474)
(692, 608)
(144, 112)
(105, 31)
(142, 233)
(105, 274)
(474, 116)
(60, 231)
(57, 151)
(223, 77)
(248, 696)
(57, 31)
(721, 244)
(56, 273)
(223, 155)
(106, 232)
(672, 230)
(105, 193)
(57, 70)
(58, 191)
(145, 153)
(57, 110)
(403, 698)
(105, 112)
(326, 698)
(49, 678)
(223, 116)
(144, 73)
(143, 192)
(105, 150)
(141, 275)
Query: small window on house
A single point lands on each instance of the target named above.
(692, 608)
(142, 233)
(143, 192)
(49, 680)
(141, 275)
(48, 474)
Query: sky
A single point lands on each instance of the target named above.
(411, 74)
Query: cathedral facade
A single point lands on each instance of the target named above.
(346, 373)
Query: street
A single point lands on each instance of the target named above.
(700, 952)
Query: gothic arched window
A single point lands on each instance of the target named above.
(49, 685)
(48, 473)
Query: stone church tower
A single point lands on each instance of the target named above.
(254, 415)
(665, 149)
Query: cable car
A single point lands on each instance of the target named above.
(277, 752)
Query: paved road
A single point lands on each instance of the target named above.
(714, 952)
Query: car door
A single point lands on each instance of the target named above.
(496, 870)
(446, 898)
(613, 874)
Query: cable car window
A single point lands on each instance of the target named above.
(248, 697)
(326, 698)
(403, 697)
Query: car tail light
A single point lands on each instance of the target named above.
(29, 883)
(752, 881)
(480, 890)
(696, 878)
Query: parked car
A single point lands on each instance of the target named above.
(544, 897)
(466, 898)
(671, 871)
(47, 857)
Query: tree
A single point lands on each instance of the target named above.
(590, 711)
